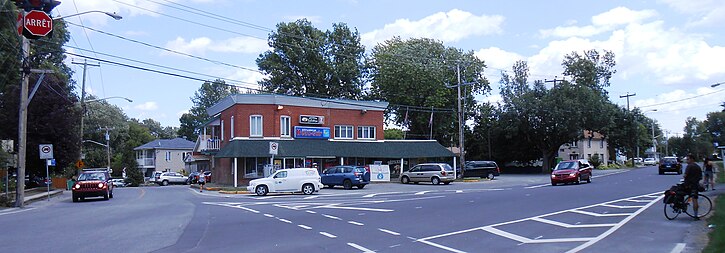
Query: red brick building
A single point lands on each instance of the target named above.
(306, 132)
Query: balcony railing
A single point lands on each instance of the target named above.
(207, 142)
(145, 162)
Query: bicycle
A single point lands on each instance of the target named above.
(677, 201)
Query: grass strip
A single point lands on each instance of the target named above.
(717, 235)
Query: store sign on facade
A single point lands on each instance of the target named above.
(312, 132)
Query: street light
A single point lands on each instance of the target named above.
(715, 85)
(108, 150)
(83, 112)
(113, 15)
(23, 112)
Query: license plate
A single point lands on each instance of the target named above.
(669, 166)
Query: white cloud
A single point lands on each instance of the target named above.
(147, 106)
(673, 106)
(601, 23)
(703, 12)
(450, 26)
(199, 46)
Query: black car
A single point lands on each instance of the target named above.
(670, 164)
(485, 169)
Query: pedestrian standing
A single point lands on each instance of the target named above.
(201, 181)
(710, 172)
(693, 175)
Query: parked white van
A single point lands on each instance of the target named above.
(305, 180)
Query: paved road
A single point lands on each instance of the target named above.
(620, 212)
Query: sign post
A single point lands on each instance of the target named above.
(273, 147)
(46, 152)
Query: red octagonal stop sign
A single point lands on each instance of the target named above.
(38, 23)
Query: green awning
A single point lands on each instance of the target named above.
(327, 148)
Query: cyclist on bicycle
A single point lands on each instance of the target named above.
(693, 175)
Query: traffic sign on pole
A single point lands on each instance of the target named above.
(46, 151)
(273, 147)
(37, 24)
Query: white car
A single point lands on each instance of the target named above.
(305, 180)
(650, 161)
(167, 178)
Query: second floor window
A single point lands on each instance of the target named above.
(255, 125)
(343, 132)
(366, 132)
(231, 130)
(601, 144)
(284, 124)
(168, 155)
(589, 143)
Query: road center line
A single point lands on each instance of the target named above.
(305, 227)
(285, 221)
(356, 223)
(328, 234)
(388, 231)
(310, 211)
(269, 215)
(421, 192)
(332, 217)
(360, 247)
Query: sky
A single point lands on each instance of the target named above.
(668, 52)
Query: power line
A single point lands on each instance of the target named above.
(679, 100)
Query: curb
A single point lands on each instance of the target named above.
(44, 195)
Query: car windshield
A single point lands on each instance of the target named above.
(669, 160)
(566, 166)
(92, 177)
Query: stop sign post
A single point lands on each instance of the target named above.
(37, 24)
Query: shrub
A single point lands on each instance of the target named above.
(595, 161)
(134, 177)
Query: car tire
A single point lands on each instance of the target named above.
(589, 179)
(261, 190)
(110, 194)
(553, 184)
(435, 180)
(446, 183)
(490, 176)
(578, 180)
(329, 186)
(361, 186)
(75, 199)
(347, 184)
(308, 189)
(105, 196)
(662, 172)
(165, 182)
(405, 180)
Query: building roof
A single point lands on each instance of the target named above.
(176, 143)
(328, 148)
(276, 99)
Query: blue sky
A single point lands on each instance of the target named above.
(668, 52)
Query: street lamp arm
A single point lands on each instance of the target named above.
(113, 15)
(95, 142)
(99, 99)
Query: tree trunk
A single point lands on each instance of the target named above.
(548, 161)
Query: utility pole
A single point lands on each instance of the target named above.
(22, 123)
(108, 148)
(554, 81)
(83, 98)
(627, 97)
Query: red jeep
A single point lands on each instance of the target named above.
(93, 184)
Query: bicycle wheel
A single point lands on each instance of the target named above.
(670, 211)
(704, 206)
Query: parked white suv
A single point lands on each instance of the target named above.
(167, 178)
(305, 180)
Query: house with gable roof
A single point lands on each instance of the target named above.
(163, 155)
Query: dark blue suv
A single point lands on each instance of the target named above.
(347, 176)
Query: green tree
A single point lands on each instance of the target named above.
(539, 118)
(696, 140)
(159, 131)
(393, 134)
(101, 115)
(53, 110)
(307, 61)
(415, 73)
(208, 94)
(715, 125)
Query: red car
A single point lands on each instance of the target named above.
(93, 184)
(573, 171)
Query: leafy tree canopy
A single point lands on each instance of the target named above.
(208, 94)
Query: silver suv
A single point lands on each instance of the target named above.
(429, 172)
(167, 178)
